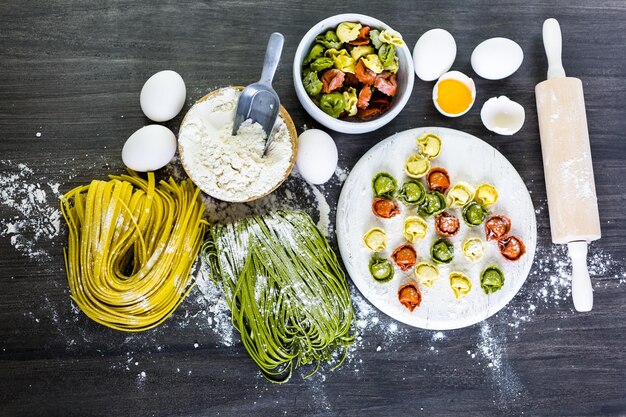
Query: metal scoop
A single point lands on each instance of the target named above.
(259, 102)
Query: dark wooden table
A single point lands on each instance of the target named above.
(70, 76)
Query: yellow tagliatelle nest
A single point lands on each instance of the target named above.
(131, 247)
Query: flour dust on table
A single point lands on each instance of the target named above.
(546, 289)
(36, 217)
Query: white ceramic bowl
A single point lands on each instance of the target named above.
(406, 76)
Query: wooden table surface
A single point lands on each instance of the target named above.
(70, 76)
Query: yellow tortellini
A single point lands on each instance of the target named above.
(415, 228)
(342, 60)
(486, 195)
(361, 51)
(391, 36)
(351, 99)
(373, 62)
(426, 273)
(375, 239)
(473, 249)
(416, 166)
(429, 145)
(348, 31)
(460, 283)
(460, 194)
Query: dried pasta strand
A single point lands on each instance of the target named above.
(131, 246)
(288, 296)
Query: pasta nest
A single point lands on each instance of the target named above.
(131, 246)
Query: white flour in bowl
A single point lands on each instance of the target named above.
(227, 167)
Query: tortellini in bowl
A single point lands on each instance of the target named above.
(354, 44)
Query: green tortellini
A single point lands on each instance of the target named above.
(381, 269)
(375, 239)
(312, 83)
(351, 99)
(429, 145)
(442, 251)
(473, 249)
(373, 62)
(426, 273)
(348, 31)
(416, 166)
(395, 65)
(459, 195)
(329, 39)
(392, 37)
(333, 104)
(434, 203)
(361, 51)
(460, 283)
(387, 53)
(384, 185)
(473, 214)
(415, 228)
(486, 195)
(412, 193)
(322, 63)
(375, 38)
(491, 279)
(316, 52)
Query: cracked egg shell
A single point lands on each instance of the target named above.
(502, 115)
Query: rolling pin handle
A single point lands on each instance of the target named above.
(552, 43)
(582, 292)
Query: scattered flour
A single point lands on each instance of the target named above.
(32, 210)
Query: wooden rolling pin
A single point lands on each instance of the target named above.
(572, 201)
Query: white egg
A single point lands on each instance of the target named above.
(458, 76)
(502, 116)
(149, 148)
(317, 156)
(163, 96)
(434, 54)
(497, 58)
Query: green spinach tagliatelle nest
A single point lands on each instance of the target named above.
(288, 296)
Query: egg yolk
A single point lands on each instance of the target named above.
(453, 96)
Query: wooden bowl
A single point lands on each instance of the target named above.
(294, 145)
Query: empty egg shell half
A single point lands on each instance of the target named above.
(502, 116)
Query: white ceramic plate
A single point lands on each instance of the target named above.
(466, 158)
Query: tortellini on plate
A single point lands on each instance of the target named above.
(473, 249)
(460, 194)
(415, 228)
(429, 145)
(416, 166)
(460, 283)
(491, 279)
(384, 185)
(486, 195)
(426, 273)
(473, 214)
(375, 239)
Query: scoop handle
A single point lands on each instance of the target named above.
(582, 292)
(552, 43)
(272, 56)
